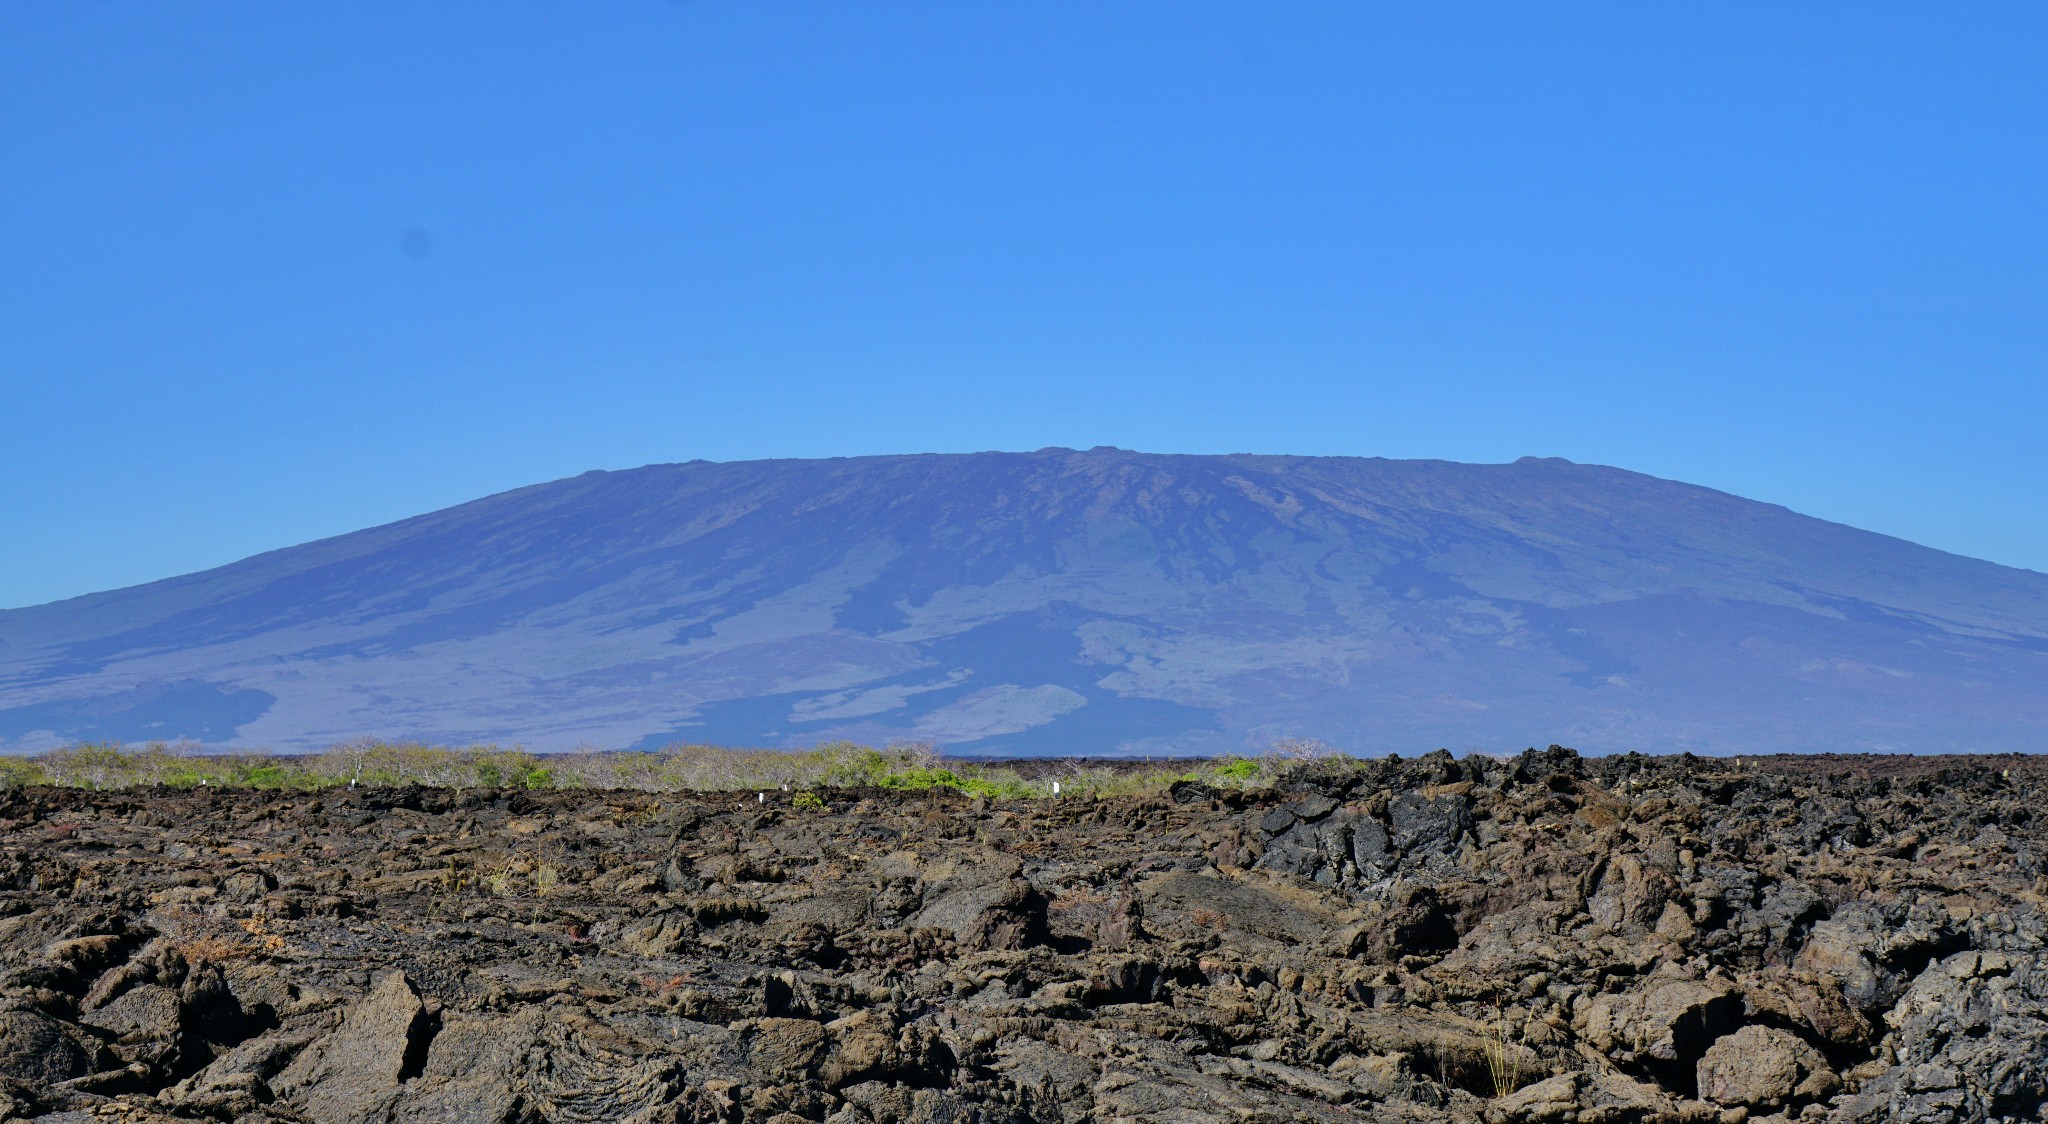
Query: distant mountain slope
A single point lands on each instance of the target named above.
(1070, 602)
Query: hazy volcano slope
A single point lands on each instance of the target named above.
(1073, 602)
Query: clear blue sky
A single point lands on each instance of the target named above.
(275, 271)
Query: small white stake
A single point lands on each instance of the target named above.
(760, 798)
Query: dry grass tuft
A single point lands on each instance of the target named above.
(1504, 1054)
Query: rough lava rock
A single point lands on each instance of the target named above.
(1764, 1067)
(1549, 938)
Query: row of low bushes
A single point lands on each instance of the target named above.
(684, 768)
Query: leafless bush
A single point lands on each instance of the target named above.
(1301, 749)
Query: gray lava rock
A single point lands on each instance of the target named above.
(1971, 1040)
(1663, 1028)
(356, 1072)
(1428, 825)
(1763, 1067)
(1346, 848)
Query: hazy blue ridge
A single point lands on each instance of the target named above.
(1065, 602)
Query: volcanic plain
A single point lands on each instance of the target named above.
(1541, 938)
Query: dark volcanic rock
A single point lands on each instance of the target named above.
(35, 1049)
(1549, 939)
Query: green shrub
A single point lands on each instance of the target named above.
(924, 778)
(18, 771)
(1237, 769)
(264, 776)
(496, 768)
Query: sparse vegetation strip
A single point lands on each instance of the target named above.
(790, 774)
